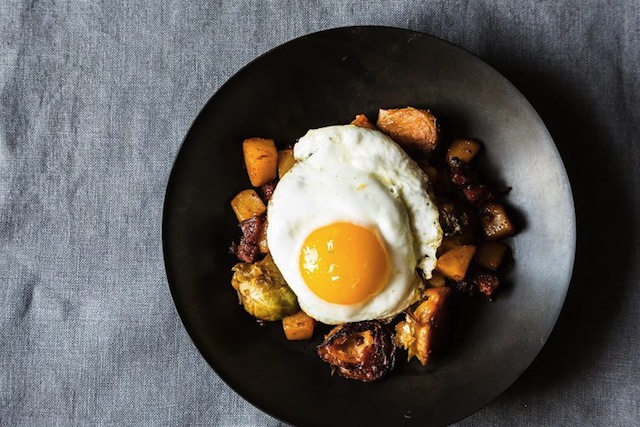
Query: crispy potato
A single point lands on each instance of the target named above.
(298, 326)
(490, 254)
(246, 204)
(261, 160)
(463, 149)
(285, 161)
(495, 222)
(415, 130)
(363, 121)
(455, 262)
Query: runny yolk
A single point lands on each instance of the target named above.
(344, 263)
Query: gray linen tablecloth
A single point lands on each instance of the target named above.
(95, 98)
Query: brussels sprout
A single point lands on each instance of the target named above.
(262, 290)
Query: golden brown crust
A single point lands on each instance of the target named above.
(415, 130)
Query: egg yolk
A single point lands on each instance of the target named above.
(344, 263)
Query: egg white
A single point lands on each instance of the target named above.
(352, 174)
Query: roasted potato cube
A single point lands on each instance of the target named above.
(463, 149)
(495, 222)
(261, 160)
(298, 326)
(363, 121)
(246, 204)
(415, 130)
(455, 262)
(285, 161)
(490, 254)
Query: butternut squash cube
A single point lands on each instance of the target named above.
(260, 159)
(455, 262)
(246, 204)
(285, 161)
(298, 326)
(463, 149)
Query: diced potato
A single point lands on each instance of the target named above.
(495, 222)
(285, 161)
(246, 204)
(490, 254)
(463, 149)
(415, 130)
(363, 121)
(437, 280)
(262, 240)
(298, 326)
(261, 160)
(455, 262)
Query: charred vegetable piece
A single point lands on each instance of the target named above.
(362, 351)
(454, 263)
(246, 204)
(415, 130)
(363, 121)
(460, 173)
(490, 254)
(453, 219)
(298, 326)
(261, 160)
(423, 330)
(463, 288)
(495, 222)
(487, 283)
(285, 161)
(463, 149)
(262, 290)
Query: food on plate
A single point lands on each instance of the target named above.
(261, 160)
(263, 291)
(298, 326)
(455, 262)
(362, 351)
(350, 223)
(372, 229)
(424, 329)
(285, 161)
(415, 130)
(247, 204)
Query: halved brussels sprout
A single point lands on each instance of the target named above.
(263, 291)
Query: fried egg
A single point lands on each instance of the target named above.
(351, 223)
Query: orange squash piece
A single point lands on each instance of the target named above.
(463, 149)
(490, 254)
(285, 161)
(246, 204)
(261, 160)
(455, 262)
(298, 326)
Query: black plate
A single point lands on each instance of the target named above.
(327, 78)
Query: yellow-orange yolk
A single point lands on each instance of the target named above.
(344, 263)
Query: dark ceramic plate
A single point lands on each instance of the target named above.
(327, 78)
